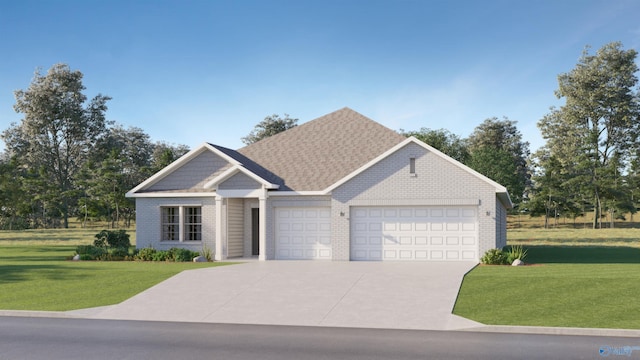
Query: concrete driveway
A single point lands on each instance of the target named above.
(309, 293)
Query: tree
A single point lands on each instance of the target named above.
(164, 154)
(57, 133)
(121, 160)
(556, 190)
(443, 140)
(493, 140)
(14, 207)
(496, 164)
(597, 129)
(270, 126)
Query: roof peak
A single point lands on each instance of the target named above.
(315, 154)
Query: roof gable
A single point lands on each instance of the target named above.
(316, 154)
(201, 169)
(501, 191)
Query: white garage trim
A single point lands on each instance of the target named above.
(303, 233)
(426, 233)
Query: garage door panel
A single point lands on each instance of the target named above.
(468, 255)
(453, 240)
(303, 233)
(414, 233)
(437, 240)
(468, 240)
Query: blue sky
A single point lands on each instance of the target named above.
(193, 71)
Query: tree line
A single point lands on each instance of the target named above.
(66, 159)
(591, 159)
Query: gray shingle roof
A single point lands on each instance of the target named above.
(251, 165)
(316, 154)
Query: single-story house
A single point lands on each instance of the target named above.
(340, 187)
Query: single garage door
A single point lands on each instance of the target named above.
(303, 233)
(414, 233)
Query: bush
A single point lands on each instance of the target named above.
(181, 255)
(119, 253)
(516, 252)
(161, 255)
(174, 255)
(494, 257)
(145, 254)
(114, 239)
(90, 252)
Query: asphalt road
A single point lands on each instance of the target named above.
(55, 338)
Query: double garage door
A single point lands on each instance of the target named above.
(414, 233)
(381, 233)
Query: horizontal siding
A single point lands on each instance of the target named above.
(235, 227)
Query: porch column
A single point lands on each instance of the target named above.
(219, 255)
(263, 227)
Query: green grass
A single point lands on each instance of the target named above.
(37, 277)
(71, 236)
(574, 237)
(568, 286)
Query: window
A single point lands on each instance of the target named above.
(193, 223)
(187, 218)
(412, 166)
(170, 223)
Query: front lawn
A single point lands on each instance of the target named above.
(572, 286)
(37, 277)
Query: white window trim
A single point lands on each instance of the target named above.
(181, 224)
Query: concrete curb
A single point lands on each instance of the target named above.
(533, 330)
(43, 314)
(541, 330)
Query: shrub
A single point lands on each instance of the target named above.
(90, 252)
(119, 253)
(494, 257)
(181, 255)
(516, 252)
(112, 238)
(173, 254)
(161, 255)
(145, 254)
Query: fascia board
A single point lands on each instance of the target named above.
(170, 194)
(298, 193)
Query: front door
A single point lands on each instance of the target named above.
(255, 231)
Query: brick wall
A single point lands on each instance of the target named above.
(148, 222)
(435, 182)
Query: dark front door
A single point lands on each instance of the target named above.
(255, 231)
